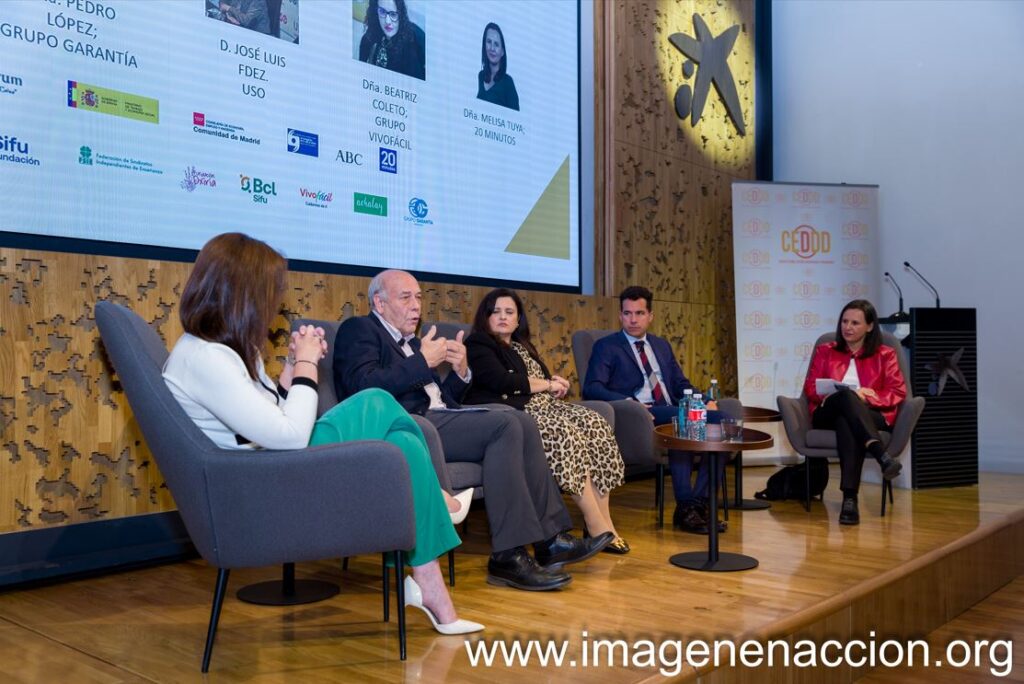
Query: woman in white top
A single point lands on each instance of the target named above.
(216, 373)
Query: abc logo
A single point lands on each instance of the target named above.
(346, 157)
(806, 242)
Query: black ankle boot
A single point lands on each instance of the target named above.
(890, 466)
(849, 513)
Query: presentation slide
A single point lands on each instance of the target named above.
(439, 136)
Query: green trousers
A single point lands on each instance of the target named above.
(374, 414)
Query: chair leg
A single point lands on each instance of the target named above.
(344, 563)
(725, 488)
(659, 492)
(451, 568)
(387, 588)
(400, 592)
(218, 601)
(886, 488)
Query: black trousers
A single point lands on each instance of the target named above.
(855, 424)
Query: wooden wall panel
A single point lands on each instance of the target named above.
(70, 450)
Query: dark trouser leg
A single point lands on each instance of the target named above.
(547, 498)
(680, 463)
(855, 424)
(495, 440)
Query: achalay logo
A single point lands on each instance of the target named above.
(758, 351)
(755, 227)
(301, 142)
(806, 290)
(374, 205)
(758, 258)
(855, 230)
(757, 320)
(855, 260)
(260, 189)
(85, 155)
(757, 289)
(806, 319)
(15, 151)
(856, 199)
(195, 178)
(316, 198)
(418, 212)
(806, 242)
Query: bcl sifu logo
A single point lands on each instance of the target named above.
(755, 227)
(754, 196)
(803, 350)
(757, 320)
(758, 351)
(855, 230)
(855, 290)
(806, 290)
(757, 289)
(85, 155)
(855, 198)
(806, 197)
(260, 190)
(712, 53)
(758, 258)
(806, 320)
(857, 260)
(806, 242)
(758, 382)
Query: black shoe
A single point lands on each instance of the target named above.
(618, 546)
(692, 518)
(849, 514)
(705, 511)
(564, 549)
(522, 572)
(890, 466)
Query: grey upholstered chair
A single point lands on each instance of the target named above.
(450, 475)
(261, 507)
(811, 443)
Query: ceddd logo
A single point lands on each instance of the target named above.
(803, 350)
(757, 289)
(855, 198)
(806, 319)
(857, 260)
(755, 227)
(758, 351)
(806, 290)
(855, 290)
(806, 197)
(806, 242)
(855, 230)
(758, 382)
(757, 320)
(757, 258)
(754, 196)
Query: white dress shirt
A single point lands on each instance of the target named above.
(645, 395)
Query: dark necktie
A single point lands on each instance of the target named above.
(659, 396)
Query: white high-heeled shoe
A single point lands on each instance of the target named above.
(414, 597)
(465, 498)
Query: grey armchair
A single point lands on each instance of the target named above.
(263, 507)
(811, 443)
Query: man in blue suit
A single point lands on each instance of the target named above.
(633, 364)
(522, 499)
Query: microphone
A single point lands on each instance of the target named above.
(925, 280)
(900, 315)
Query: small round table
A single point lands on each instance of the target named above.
(751, 414)
(712, 561)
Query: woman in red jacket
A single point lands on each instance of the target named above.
(858, 359)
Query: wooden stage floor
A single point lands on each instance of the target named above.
(815, 578)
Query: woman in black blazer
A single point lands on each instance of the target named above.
(578, 442)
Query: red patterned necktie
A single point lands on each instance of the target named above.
(659, 396)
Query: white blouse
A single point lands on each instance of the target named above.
(210, 382)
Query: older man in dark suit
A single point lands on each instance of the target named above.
(523, 503)
(634, 364)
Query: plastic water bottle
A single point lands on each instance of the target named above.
(697, 425)
(684, 412)
(714, 393)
